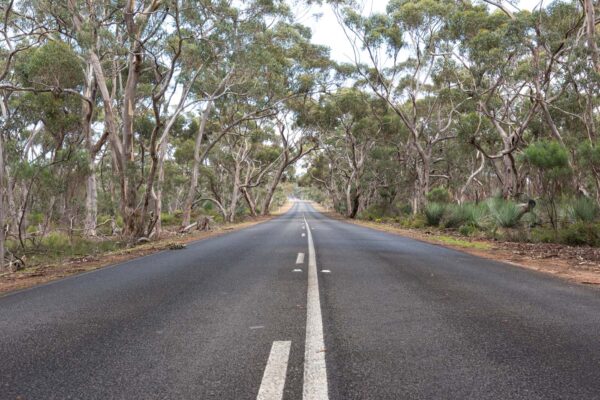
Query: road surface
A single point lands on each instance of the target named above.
(259, 313)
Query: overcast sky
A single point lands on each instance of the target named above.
(328, 32)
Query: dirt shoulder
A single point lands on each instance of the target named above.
(28, 277)
(576, 264)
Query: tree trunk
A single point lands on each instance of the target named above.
(235, 194)
(352, 196)
(509, 174)
(13, 217)
(91, 197)
(590, 24)
(422, 182)
(2, 190)
(191, 194)
(91, 202)
(463, 190)
(129, 206)
(250, 201)
(158, 200)
(273, 186)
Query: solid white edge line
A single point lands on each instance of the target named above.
(273, 381)
(315, 372)
(300, 258)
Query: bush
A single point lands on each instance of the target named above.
(457, 215)
(434, 212)
(36, 218)
(584, 209)
(403, 208)
(580, 234)
(418, 222)
(506, 213)
(543, 235)
(467, 230)
(174, 219)
(531, 219)
(438, 195)
(56, 241)
(372, 213)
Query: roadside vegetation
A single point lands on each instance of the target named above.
(127, 122)
(569, 221)
(484, 125)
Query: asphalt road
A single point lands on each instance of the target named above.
(361, 315)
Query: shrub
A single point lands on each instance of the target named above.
(580, 234)
(56, 241)
(174, 219)
(403, 208)
(414, 221)
(438, 195)
(584, 209)
(467, 230)
(543, 235)
(457, 215)
(372, 213)
(36, 218)
(506, 214)
(434, 212)
(465, 214)
(531, 219)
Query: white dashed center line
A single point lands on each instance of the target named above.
(273, 381)
(300, 258)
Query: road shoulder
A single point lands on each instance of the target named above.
(40, 274)
(575, 264)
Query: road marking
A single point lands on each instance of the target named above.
(300, 258)
(326, 271)
(297, 270)
(315, 372)
(303, 235)
(273, 381)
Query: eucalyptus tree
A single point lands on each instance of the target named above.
(293, 144)
(350, 122)
(406, 50)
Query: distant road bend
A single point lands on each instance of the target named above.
(303, 307)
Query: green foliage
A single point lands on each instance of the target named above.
(36, 218)
(457, 215)
(467, 230)
(583, 209)
(550, 157)
(54, 64)
(465, 214)
(588, 155)
(170, 219)
(59, 245)
(506, 214)
(438, 195)
(543, 235)
(57, 241)
(580, 234)
(434, 212)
